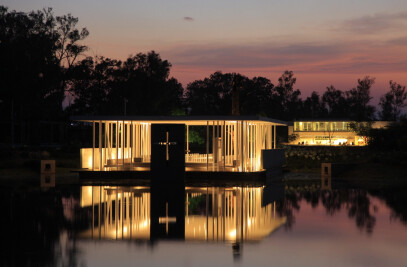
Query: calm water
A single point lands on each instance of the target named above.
(135, 225)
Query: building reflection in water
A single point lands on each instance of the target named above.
(231, 214)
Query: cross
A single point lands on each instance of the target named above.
(167, 219)
(167, 143)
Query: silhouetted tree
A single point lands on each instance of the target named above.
(28, 67)
(67, 47)
(335, 102)
(237, 87)
(285, 100)
(393, 137)
(313, 107)
(392, 102)
(212, 96)
(358, 100)
(91, 81)
(256, 97)
(31, 70)
(141, 83)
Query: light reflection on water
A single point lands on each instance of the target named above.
(227, 214)
(285, 226)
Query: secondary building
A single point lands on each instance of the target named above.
(327, 132)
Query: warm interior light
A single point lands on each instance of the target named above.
(238, 146)
(338, 141)
(232, 233)
(90, 162)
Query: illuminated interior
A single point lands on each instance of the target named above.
(227, 214)
(230, 143)
(322, 126)
(332, 133)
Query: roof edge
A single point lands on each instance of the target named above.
(177, 118)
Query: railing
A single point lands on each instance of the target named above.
(198, 158)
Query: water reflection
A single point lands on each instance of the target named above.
(47, 180)
(356, 202)
(228, 214)
(34, 227)
(52, 227)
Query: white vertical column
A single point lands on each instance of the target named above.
(108, 138)
(223, 152)
(137, 138)
(93, 145)
(100, 145)
(243, 144)
(117, 145)
(128, 141)
(275, 133)
(132, 147)
(187, 140)
(213, 145)
(207, 145)
(235, 141)
(250, 145)
(106, 146)
(123, 132)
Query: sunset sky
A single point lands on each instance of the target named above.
(324, 42)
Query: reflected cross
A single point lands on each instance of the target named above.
(167, 219)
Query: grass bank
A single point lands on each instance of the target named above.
(21, 164)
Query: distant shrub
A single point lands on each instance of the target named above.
(394, 137)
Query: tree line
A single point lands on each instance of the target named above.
(258, 96)
(43, 64)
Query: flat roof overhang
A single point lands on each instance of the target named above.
(190, 120)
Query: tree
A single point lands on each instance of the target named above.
(335, 102)
(393, 102)
(32, 74)
(213, 95)
(237, 87)
(28, 72)
(256, 97)
(285, 100)
(28, 67)
(90, 83)
(143, 80)
(361, 128)
(137, 86)
(67, 46)
(313, 107)
(358, 100)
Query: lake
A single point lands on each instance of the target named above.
(280, 224)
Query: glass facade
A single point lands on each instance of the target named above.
(321, 126)
(231, 145)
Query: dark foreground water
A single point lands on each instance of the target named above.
(274, 225)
